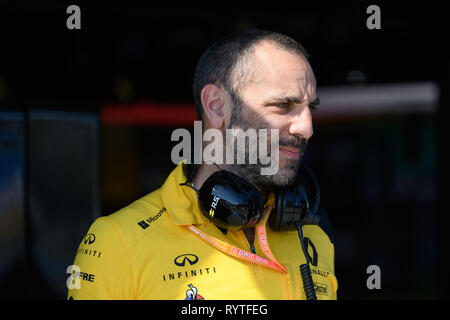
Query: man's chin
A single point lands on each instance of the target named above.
(288, 170)
(284, 176)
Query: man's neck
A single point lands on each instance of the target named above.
(202, 173)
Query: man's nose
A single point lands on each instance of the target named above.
(301, 123)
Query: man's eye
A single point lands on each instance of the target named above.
(283, 105)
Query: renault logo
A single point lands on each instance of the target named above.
(309, 244)
(181, 260)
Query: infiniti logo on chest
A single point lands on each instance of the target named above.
(89, 238)
(188, 257)
(187, 260)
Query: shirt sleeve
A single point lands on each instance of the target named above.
(102, 268)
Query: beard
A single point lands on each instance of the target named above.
(288, 168)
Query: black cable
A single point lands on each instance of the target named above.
(305, 271)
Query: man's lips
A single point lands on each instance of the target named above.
(290, 151)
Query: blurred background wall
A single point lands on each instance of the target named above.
(86, 118)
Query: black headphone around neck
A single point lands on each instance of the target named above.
(233, 203)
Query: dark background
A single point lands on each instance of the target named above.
(64, 162)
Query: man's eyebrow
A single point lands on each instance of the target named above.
(292, 99)
(276, 99)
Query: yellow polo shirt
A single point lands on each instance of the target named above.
(145, 251)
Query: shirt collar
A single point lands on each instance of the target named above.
(181, 200)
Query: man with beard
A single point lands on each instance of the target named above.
(166, 245)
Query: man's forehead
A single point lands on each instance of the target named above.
(276, 71)
(272, 63)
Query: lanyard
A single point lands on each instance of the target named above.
(261, 236)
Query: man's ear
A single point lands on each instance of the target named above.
(213, 101)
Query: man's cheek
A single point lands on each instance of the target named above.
(274, 147)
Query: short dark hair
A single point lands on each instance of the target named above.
(218, 63)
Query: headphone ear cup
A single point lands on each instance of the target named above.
(291, 206)
(296, 202)
(230, 201)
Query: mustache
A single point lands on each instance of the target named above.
(294, 142)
